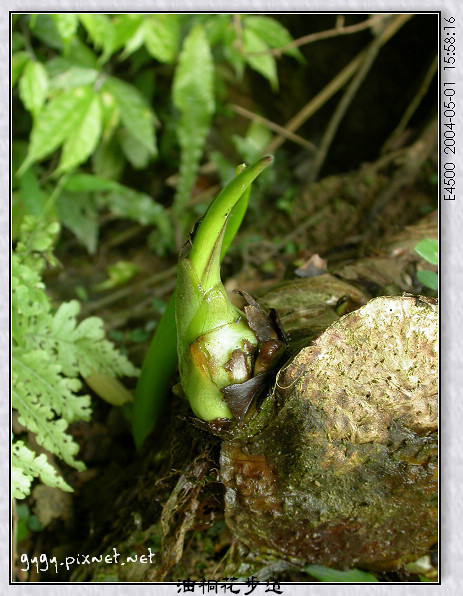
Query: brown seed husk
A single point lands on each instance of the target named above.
(345, 473)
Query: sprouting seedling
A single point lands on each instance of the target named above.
(215, 344)
(200, 310)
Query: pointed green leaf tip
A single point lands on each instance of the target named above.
(209, 327)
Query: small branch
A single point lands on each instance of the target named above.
(333, 86)
(312, 37)
(275, 127)
(428, 77)
(239, 32)
(414, 158)
(341, 109)
(126, 291)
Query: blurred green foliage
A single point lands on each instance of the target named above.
(96, 96)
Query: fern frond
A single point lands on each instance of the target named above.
(27, 465)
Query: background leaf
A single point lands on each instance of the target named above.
(429, 250)
(57, 121)
(272, 32)
(162, 36)
(193, 95)
(136, 115)
(325, 574)
(33, 86)
(83, 139)
(265, 64)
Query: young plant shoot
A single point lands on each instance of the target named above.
(200, 316)
(216, 346)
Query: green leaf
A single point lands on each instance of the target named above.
(26, 465)
(37, 384)
(428, 279)
(80, 348)
(33, 196)
(74, 76)
(78, 213)
(429, 250)
(88, 183)
(136, 115)
(135, 152)
(57, 121)
(126, 26)
(251, 146)
(108, 161)
(118, 274)
(273, 33)
(33, 86)
(83, 138)
(325, 574)
(265, 64)
(17, 41)
(161, 36)
(18, 62)
(111, 115)
(193, 96)
(101, 31)
(66, 24)
(125, 202)
(44, 28)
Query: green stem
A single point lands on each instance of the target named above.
(204, 255)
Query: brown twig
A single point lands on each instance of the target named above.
(130, 289)
(341, 109)
(273, 126)
(416, 155)
(428, 77)
(239, 32)
(312, 37)
(326, 93)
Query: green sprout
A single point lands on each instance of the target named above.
(200, 325)
(209, 327)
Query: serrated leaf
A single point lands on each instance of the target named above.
(83, 138)
(135, 151)
(325, 574)
(111, 115)
(193, 95)
(273, 33)
(126, 26)
(265, 64)
(27, 465)
(33, 376)
(18, 62)
(101, 31)
(428, 248)
(82, 182)
(80, 348)
(194, 76)
(78, 213)
(44, 28)
(33, 86)
(73, 76)
(55, 393)
(161, 36)
(125, 202)
(57, 121)
(66, 24)
(135, 114)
